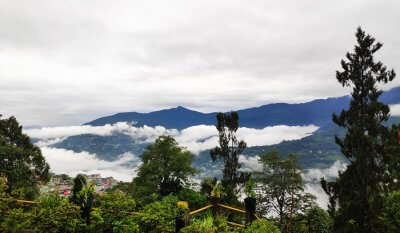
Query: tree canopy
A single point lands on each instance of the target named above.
(21, 162)
(281, 189)
(165, 169)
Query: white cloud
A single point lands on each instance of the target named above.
(274, 134)
(313, 176)
(250, 163)
(195, 138)
(71, 163)
(66, 131)
(395, 109)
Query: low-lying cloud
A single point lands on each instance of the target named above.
(395, 109)
(196, 138)
(63, 161)
(125, 167)
(250, 163)
(313, 176)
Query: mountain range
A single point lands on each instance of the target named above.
(316, 150)
(317, 112)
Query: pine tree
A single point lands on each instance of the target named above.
(359, 190)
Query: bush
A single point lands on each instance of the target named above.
(196, 200)
(13, 218)
(159, 216)
(261, 226)
(392, 212)
(56, 214)
(205, 225)
(127, 224)
(318, 220)
(208, 224)
(114, 209)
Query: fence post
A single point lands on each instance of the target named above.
(250, 204)
(182, 218)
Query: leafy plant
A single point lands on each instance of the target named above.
(56, 214)
(261, 226)
(249, 188)
(158, 216)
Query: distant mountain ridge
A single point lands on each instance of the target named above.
(316, 150)
(317, 112)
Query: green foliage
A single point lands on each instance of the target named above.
(360, 189)
(114, 208)
(262, 226)
(21, 162)
(83, 196)
(56, 214)
(281, 188)
(317, 221)
(165, 169)
(195, 199)
(391, 213)
(210, 224)
(204, 225)
(207, 185)
(127, 224)
(16, 220)
(158, 216)
(249, 188)
(229, 150)
(13, 218)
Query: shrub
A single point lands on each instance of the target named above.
(262, 226)
(392, 212)
(56, 214)
(159, 216)
(196, 200)
(113, 208)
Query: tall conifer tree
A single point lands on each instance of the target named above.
(359, 190)
(229, 150)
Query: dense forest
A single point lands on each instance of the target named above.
(164, 197)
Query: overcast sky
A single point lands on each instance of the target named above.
(69, 62)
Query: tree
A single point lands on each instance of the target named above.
(114, 209)
(165, 169)
(229, 150)
(55, 214)
(79, 182)
(281, 189)
(21, 162)
(262, 226)
(317, 220)
(159, 216)
(391, 215)
(359, 191)
(83, 196)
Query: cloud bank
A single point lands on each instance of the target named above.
(63, 161)
(312, 179)
(195, 138)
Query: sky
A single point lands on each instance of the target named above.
(69, 62)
